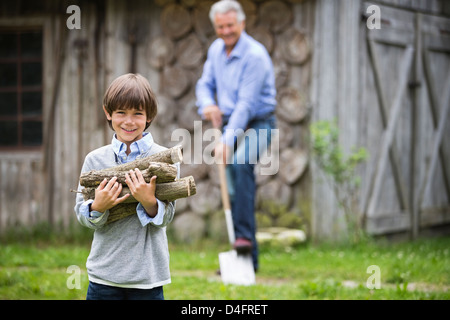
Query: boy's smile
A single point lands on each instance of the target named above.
(129, 124)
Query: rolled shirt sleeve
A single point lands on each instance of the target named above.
(162, 218)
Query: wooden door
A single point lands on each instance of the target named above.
(432, 186)
(405, 97)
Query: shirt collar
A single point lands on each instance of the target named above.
(239, 48)
(140, 146)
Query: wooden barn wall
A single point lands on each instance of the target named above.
(35, 185)
(324, 70)
(23, 193)
(116, 38)
(386, 88)
(334, 95)
(78, 125)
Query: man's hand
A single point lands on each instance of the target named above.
(142, 191)
(213, 114)
(107, 195)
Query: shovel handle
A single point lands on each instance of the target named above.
(226, 202)
(224, 187)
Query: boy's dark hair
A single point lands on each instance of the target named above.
(131, 91)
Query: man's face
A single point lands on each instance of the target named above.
(228, 28)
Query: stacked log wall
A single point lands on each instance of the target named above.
(174, 60)
(323, 70)
(165, 41)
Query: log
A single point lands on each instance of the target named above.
(202, 25)
(293, 163)
(170, 156)
(286, 134)
(121, 211)
(295, 46)
(160, 52)
(162, 3)
(175, 81)
(190, 52)
(263, 35)
(163, 171)
(275, 191)
(251, 15)
(281, 71)
(207, 199)
(276, 15)
(177, 188)
(187, 112)
(189, 3)
(175, 21)
(292, 106)
(166, 111)
(189, 227)
(169, 191)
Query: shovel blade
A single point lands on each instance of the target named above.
(236, 269)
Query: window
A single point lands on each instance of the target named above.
(20, 89)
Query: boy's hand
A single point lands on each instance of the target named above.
(107, 195)
(142, 191)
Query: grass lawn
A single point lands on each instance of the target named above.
(414, 270)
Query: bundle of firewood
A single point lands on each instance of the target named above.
(161, 165)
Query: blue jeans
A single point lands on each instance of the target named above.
(98, 291)
(241, 181)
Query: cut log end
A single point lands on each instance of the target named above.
(176, 154)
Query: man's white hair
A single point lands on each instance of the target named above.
(224, 6)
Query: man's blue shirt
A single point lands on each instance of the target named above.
(243, 82)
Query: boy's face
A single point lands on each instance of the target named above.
(129, 124)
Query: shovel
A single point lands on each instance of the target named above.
(234, 268)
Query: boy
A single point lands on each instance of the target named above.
(129, 258)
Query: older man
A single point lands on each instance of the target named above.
(236, 93)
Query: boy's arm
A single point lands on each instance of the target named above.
(85, 215)
(163, 217)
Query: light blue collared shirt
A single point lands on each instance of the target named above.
(244, 83)
(137, 148)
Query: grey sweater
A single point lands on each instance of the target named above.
(125, 253)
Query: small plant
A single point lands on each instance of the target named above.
(340, 170)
